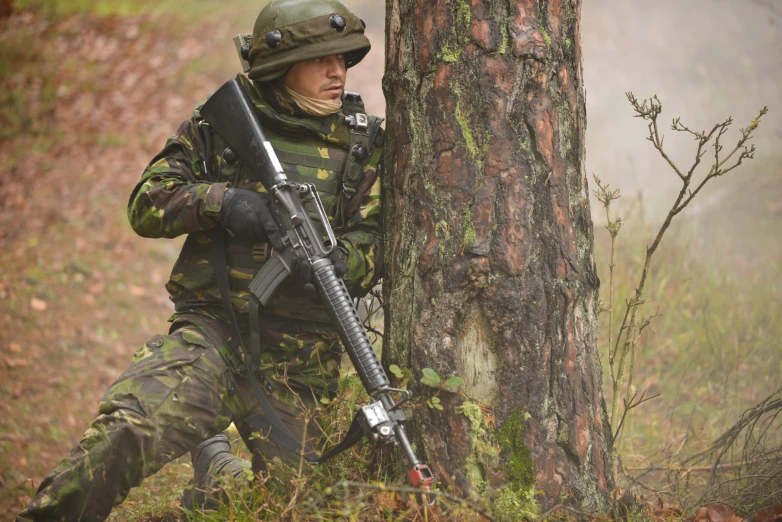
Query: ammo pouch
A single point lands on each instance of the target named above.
(244, 260)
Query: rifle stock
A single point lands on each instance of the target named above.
(230, 110)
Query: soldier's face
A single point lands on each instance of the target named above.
(321, 78)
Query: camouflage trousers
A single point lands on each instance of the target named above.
(178, 391)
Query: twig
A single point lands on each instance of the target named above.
(463, 502)
(626, 342)
(373, 330)
(629, 406)
(689, 469)
(566, 508)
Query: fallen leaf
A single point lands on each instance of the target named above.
(14, 348)
(667, 513)
(760, 516)
(39, 305)
(388, 499)
(16, 389)
(768, 515)
(16, 362)
(714, 513)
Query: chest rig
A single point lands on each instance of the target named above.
(334, 164)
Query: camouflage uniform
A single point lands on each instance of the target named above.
(187, 386)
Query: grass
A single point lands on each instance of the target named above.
(27, 87)
(341, 490)
(715, 351)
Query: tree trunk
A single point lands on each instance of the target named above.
(490, 273)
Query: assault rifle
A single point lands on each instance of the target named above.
(230, 113)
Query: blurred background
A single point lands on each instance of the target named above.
(90, 90)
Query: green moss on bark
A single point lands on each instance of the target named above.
(517, 501)
(484, 450)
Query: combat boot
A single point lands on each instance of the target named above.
(213, 465)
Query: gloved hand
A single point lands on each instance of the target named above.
(302, 272)
(245, 214)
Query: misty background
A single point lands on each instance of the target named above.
(705, 59)
(110, 79)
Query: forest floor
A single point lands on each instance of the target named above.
(87, 99)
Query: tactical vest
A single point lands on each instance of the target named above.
(334, 166)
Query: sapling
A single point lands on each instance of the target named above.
(623, 344)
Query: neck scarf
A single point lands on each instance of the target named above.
(314, 106)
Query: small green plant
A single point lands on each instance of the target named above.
(432, 379)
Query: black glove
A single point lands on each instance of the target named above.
(302, 271)
(245, 214)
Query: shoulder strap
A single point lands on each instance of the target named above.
(269, 422)
(207, 140)
(363, 130)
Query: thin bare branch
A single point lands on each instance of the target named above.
(631, 405)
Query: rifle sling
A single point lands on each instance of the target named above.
(352, 437)
(269, 423)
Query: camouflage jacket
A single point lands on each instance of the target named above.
(175, 196)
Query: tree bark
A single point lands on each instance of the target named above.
(490, 273)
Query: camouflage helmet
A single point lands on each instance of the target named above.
(291, 31)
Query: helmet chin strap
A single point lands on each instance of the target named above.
(314, 106)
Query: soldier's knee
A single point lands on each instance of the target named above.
(122, 406)
(124, 424)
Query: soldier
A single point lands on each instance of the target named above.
(183, 389)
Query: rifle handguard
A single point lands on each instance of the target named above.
(338, 302)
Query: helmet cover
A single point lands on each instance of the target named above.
(291, 31)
